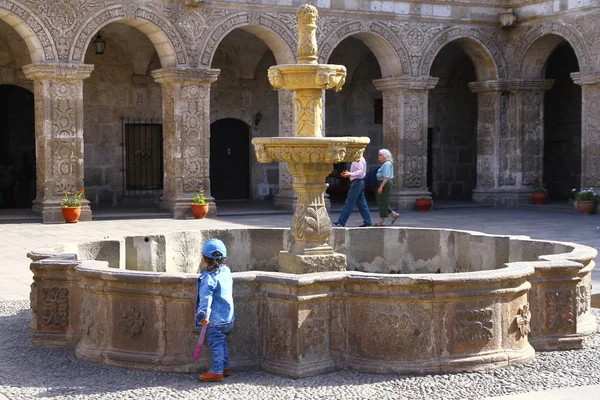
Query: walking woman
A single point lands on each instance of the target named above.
(385, 173)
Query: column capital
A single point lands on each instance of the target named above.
(45, 71)
(489, 86)
(406, 82)
(525, 85)
(581, 78)
(170, 75)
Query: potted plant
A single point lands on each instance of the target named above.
(199, 206)
(71, 206)
(424, 202)
(586, 200)
(540, 193)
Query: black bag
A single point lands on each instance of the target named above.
(371, 179)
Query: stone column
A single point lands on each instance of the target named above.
(521, 152)
(287, 197)
(405, 133)
(186, 136)
(58, 91)
(492, 106)
(590, 128)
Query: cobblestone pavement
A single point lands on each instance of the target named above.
(28, 373)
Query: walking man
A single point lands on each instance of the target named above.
(356, 193)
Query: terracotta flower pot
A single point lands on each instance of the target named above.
(422, 204)
(199, 210)
(539, 197)
(586, 207)
(71, 214)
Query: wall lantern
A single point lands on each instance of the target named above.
(257, 118)
(99, 43)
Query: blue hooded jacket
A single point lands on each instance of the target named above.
(215, 297)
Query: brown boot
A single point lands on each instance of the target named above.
(227, 372)
(210, 377)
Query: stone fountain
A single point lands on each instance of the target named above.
(309, 156)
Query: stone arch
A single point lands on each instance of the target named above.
(33, 32)
(160, 31)
(271, 31)
(483, 52)
(538, 44)
(378, 38)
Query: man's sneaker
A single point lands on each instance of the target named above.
(210, 377)
(365, 225)
(227, 372)
(337, 224)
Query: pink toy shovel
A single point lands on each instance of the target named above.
(200, 341)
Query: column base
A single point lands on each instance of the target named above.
(51, 211)
(180, 208)
(305, 264)
(502, 197)
(286, 200)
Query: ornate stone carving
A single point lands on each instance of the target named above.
(313, 332)
(43, 36)
(191, 23)
(532, 137)
(280, 334)
(583, 299)
(396, 331)
(33, 297)
(309, 150)
(559, 309)
(225, 25)
(523, 320)
(64, 17)
(414, 36)
(130, 11)
(132, 321)
(55, 306)
(590, 129)
(307, 35)
(474, 325)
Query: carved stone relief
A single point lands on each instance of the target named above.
(583, 299)
(132, 321)
(396, 331)
(473, 325)
(55, 306)
(280, 333)
(559, 309)
(523, 320)
(532, 136)
(313, 333)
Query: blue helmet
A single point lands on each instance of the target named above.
(214, 248)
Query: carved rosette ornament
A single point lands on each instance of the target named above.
(132, 321)
(55, 306)
(559, 309)
(309, 155)
(474, 325)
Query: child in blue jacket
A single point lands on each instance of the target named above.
(214, 307)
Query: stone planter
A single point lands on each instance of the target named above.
(586, 207)
(71, 214)
(539, 197)
(199, 210)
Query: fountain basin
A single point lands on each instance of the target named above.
(310, 150)
(413, 301)
(307, 76)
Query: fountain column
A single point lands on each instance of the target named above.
(186, 132)
(58, 96)
(286, 197)
(309, 156)
(405, 133)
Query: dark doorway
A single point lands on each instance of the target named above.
(452, 135)
(229, 160)
(562, 125)
(17, 147)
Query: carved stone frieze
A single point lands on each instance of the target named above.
(583, 299)
(279, 332)
(523, 320)
(415, 36)
(532, 110)
(396, 331)
(474, 325)
(559, 309)
(132, 321)
(55, 306)
(309, 150)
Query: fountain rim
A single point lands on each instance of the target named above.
(313, 141)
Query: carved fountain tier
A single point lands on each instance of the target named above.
(309, 156)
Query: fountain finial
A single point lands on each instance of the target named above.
(307, 34)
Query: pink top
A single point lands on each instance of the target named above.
(358, 170)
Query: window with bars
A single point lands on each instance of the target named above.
(142, 156)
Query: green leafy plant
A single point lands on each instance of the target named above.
(74, 200)
(425, 193)
(586, 195)
(199, 198)
(539, 186)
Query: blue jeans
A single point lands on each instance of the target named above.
(217, 343)
(356, 193)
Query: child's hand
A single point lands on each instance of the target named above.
(204, 322)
